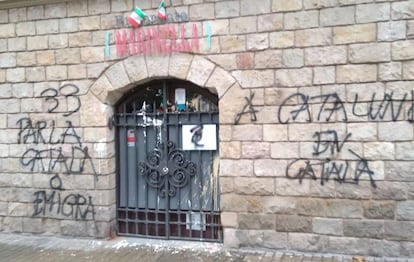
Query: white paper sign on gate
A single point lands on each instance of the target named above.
(199, 137)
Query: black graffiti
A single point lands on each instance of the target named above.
(332, 107)
(69, 91)
(328, 140)
(74, 205)
(327, 168)
(40, 132)
(65, 160)
(247, 109)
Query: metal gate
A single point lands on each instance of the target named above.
(167, 153)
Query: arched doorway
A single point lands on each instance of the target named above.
(167, 159)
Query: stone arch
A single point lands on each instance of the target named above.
(124, 75)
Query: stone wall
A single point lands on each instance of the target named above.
(316, 118)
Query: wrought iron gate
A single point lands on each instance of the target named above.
(167, 146)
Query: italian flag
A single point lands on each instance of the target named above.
(136, 17)
(161, 11)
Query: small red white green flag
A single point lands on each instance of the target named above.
(161, 11)
(136, 18)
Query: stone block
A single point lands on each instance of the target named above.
(92, 54)
(307, 242)
(355, 246)
(247, 133)
(58, 72)
(407, 249)
(390, 190)
(408, 70)
(293, 58)
(7, 30)
(220, 80)
(293, 77)
(324, 75)
(17, 15)
(343, 208)
(390, 71)
(326, 55)
(4, 18)
(395, 131)
(121, 6)
(270, 167)
(402, 10)
(284, 6)
(405, 210)
(7, 60)
(363, 228)
(227, 9)
(284, 150)
(77, 8)
(98, 7)
(256, 221)
(80, 39)
(241, 203)
(16, 44)
(200, 70)
(15, 75)
(391, 31)
(274, 133)
(58, 41)
(46, 57)
(356, 73)
(13, 224)
(37, 42)
(337, 16)
(379, 210)
(254, 78)
(313, 37)
(89, 23)
(254, 186)
(50, 26)
(372, 13)
(289, 187)
(281, 39)
(230, 150)
(379, 150)
(401, 231)
(233, 43)
(257, 41)
(242, 25)
(268, 59)
(76, 71)
(403, 50)
(291, 223)
(201, 11)
(68, 25)
(55, 10)
(354, 33)
(271, 22)
(410, 29)
(238, 168)
(319, 4)
(25, 28)
(255, 150)
(22, 90)
(35, 74)
(366, 53)
(301, 20)
(35, 12)
(252, 8)
(327, 226)
(274, 240)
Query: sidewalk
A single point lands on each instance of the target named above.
(17, 247)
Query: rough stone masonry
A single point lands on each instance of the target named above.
(320, 159)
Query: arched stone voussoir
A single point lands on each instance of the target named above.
(232, 103)
(124, 75)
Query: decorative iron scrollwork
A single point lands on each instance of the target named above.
(167, 172)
